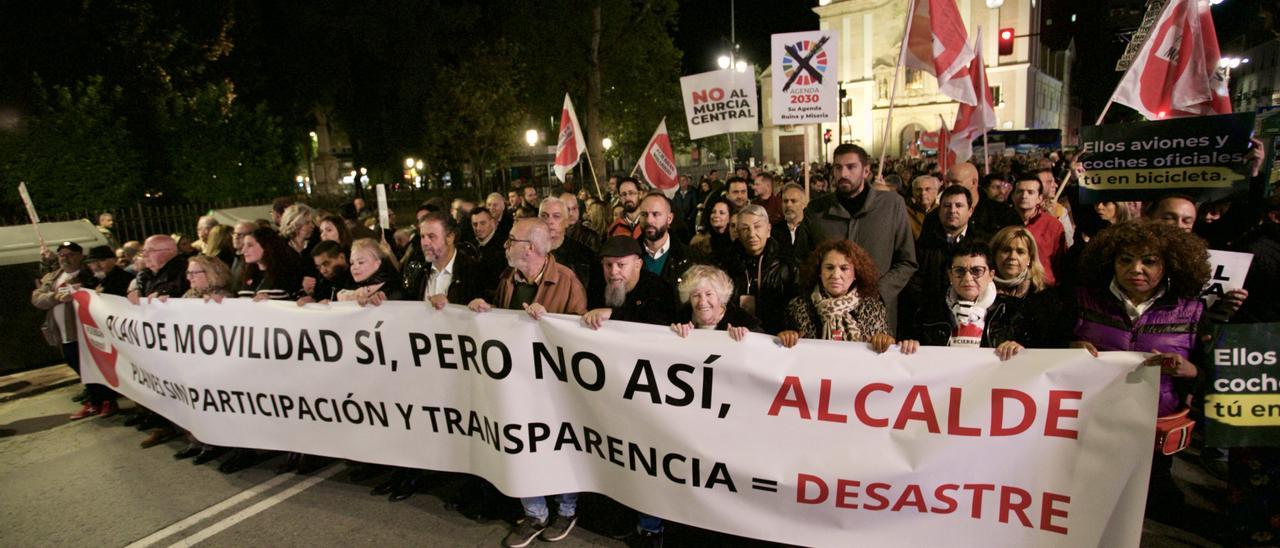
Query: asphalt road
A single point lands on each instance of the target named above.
(89, 483)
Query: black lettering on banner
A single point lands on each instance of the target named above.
(419, 346)
(431, 412)
(505, 367)
(443, 352)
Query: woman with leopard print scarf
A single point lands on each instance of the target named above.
(844, 303)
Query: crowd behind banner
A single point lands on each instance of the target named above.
(1004, 261)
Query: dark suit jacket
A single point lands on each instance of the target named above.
(465, 285)
(801, 246)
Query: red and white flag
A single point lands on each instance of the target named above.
(1176, 73)
(658, 162)
(973, 120)
(570, 145)
(937, 43)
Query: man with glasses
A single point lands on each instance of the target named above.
(53, 295)
(537, 284)
(629, 199)
(938, 242)
(165, 273)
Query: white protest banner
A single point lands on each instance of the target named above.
(720, 101)
(1228, 271)
(822, 444)
(806, 87)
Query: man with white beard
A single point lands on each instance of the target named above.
(630, 293)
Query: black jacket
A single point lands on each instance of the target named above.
(171, 280)
(116, 283)
(464, 286)
(1005, 321)
(386, 275)
(778, 279)
(579, 258)
(679, 258)
(652, 301)
(989, 216)
(327, 289)
(801, 246)
(933, 254)
(733, 315)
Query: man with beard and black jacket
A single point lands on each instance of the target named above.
(335, 273)
(630, 293)
(663, 255)
(792, 232)
(451, 276)
(764, 275)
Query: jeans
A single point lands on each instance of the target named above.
(650, 524)
(536, 507)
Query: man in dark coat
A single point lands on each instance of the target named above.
(630, 293)
(663, 255)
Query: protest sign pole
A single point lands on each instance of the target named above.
(31, 213)
(893, 90)
(806, 163)
(593, 173)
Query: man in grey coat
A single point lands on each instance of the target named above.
(876, 220)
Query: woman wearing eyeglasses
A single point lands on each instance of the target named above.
(972, 313)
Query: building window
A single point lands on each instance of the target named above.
(997, 95)
(914, 79)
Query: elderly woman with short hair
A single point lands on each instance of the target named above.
(208, 277)
(706, 292)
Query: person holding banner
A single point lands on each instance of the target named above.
(273, 270)
(706, 293)
(538, 284)
(844, 303)
(1140, 289)
(53, 295)
(1020, 274)
(376, 278)
(208, 278)
(972, 313)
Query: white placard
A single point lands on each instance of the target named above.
(1229, 269)
(806, 78)
(720, 101)
(384, 219)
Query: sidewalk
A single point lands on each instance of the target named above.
(36, 381)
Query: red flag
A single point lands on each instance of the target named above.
(658, 162)
(570, 145)
(974, 120)
(1176, 73)
(938, 44)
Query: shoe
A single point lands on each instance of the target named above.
(524, 533)
(649, 539)
(109, 409)
(209, 453)
(407, 487)
(83, 395)
(153, 421)
(290, 463)
(86, 410)
(187, 452)
(240, 459)
(361, 471)
(159, 436)
(136, 418)
(559, 528)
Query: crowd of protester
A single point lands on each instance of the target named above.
(1005, 260)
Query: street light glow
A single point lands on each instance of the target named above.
(418, 165)
(607, 143)
(408, 163)
(723, 61)
(1229, 62)
(531, 137)
(741, 66)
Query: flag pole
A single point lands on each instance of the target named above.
(31, 213)
(944, 148)
(982, 103)
(593, 172)
(893, 92)
(806, 163)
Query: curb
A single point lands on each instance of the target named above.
(38, 390)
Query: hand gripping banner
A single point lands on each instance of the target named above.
(822, 444)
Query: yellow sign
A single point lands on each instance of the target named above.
(1244, 409)
(1176, 177)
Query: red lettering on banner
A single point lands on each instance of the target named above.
(791, 384)
(998, 396)
(1008, 505)
(860, 404)
(702, 96)
(846, 490)
(824, 403)
(941, 494)
(1048, 512)
(802, 483)
(953, 416)
(908, 412)
(699, 97)
(1056, 413)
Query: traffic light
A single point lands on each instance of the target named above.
(826, 136)
(1006, 41)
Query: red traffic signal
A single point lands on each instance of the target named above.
(826, 136)
(1006, 41)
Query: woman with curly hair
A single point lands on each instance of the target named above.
(714, 237)
(844, 303)
(1140, 287)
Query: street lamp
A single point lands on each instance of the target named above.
(607, 143)
(723, 61)
(408, 163)
(531, 137)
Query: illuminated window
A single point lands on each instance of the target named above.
(914, 79)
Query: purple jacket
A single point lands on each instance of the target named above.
(1169, 325)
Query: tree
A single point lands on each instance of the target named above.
(75, 154)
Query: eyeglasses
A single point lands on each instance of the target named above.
(511, 240)
(191, 273)
(976, 271)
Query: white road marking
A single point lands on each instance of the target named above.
(258, 508)
(186, 523)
